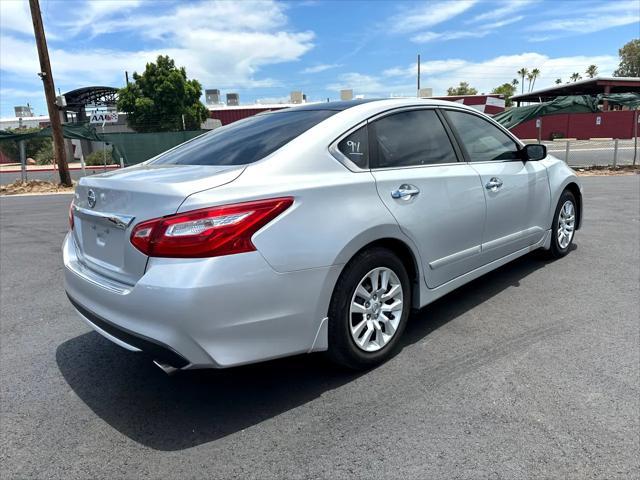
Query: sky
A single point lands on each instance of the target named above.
(265, 49)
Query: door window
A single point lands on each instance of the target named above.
(411, 138)
(483, 141)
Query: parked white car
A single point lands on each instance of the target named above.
(315, 228)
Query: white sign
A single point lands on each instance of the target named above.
(538, 123)
(104, 117)
(496, 102)
(598, 120)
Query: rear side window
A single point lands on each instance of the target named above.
(412, 138)
(482, 140)
(245, 141)
(355, 147)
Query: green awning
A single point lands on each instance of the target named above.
(570, 104)
(74, 131)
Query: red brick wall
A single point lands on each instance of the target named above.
(613, 124)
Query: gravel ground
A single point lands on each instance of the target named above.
(532, 371)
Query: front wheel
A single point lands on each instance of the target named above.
(564, 225)
(369, 309)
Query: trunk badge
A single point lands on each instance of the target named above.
(91, 198)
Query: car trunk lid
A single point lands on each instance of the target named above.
(107, 206)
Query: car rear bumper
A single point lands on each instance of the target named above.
(213, 312)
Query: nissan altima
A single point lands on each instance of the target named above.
(313, 228)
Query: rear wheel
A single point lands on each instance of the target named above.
(564, 225)
(369, 309)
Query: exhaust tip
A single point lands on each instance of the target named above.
(166, 368)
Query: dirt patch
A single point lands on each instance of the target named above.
(33, 186)
(608, 171)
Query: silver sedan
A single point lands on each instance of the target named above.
(316, 228)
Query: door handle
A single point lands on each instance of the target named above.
(405, 192)
(494, 184)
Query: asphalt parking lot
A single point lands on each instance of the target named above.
(532, 371)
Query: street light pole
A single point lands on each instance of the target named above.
(50, 93)
(418, 76)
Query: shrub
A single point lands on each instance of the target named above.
(44, 155)
(98, 157)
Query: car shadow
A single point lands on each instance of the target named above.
(194, 407)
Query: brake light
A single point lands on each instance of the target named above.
(208, 232)
(71, 215)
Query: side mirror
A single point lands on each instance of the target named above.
(533, 151)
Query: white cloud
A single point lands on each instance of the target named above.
(483, 75)
(426, 37)
(507, 8)
(371, 85)
(476, 32)
(593, 19)
(320, 68)
(427, 14)
(16, 17)
(95, 13)
(245, 16)
(222, 44)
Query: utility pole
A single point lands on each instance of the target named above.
(418, 75)
(50, 93)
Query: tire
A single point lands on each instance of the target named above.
(561, 243)
(344, 319)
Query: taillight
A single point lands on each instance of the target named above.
(209, 232)
(71, 216)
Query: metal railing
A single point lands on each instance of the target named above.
(595, 152)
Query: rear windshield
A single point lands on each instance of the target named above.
(245, 141)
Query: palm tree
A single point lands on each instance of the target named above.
(536, 73)
(529, 79)
(523, 72)
(515, 83)
(575, 76)
(558, 81)
(591, 71)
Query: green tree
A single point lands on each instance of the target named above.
(162, 98)
(629, 60)
(591, 71)
(535, 73)
(523, 72)
(529, 79)
(462, 89)
(506, 89)
(575, 76)
(558, 81)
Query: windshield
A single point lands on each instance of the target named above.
(245, 141)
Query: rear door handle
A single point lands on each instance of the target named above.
(405, 192)
(494, 184)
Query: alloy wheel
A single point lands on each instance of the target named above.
(376, 309)
(566, 224)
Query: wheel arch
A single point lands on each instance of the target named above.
(407, 256)
(577, 194)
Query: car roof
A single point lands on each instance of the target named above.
(334, 106)
(371, 103)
